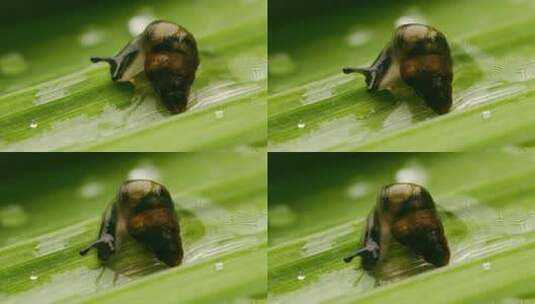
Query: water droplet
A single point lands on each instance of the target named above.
(281, 64)
(91, 190)
(219, 266)
(301, 276)
(358, 190)
(413, 173)
(33, 276)
(145, 171)
(301, 125)
(486, 115)
(137, 24)
(33, 124)
(13, 64)
(359, 38)
(327, 134)
(219, 114)
(486, 266)
(281, 216)
(91, 37)
(12, 216)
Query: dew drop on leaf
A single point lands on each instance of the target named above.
(33, 124)
(219, 114)
(486, 115)
(33, 276)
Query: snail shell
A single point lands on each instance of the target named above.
(404, 213)
(419, 57)
(168, 55)
(143, 209)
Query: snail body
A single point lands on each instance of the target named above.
(404, 213)
(168, 55)
(419, 57)
(143, 209)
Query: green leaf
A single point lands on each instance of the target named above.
(53, 98)
(485, 201)
(314, 107)
(221, 205)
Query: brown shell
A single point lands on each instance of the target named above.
(426, 64)
(419, 56)
(168, 55)
(150, 218)
(405, 213)
(147, 211)
(171, 62)
(409, 212)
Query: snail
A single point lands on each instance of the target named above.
(404, 213)
(168, 55)
(418, 57)
(143, 209)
